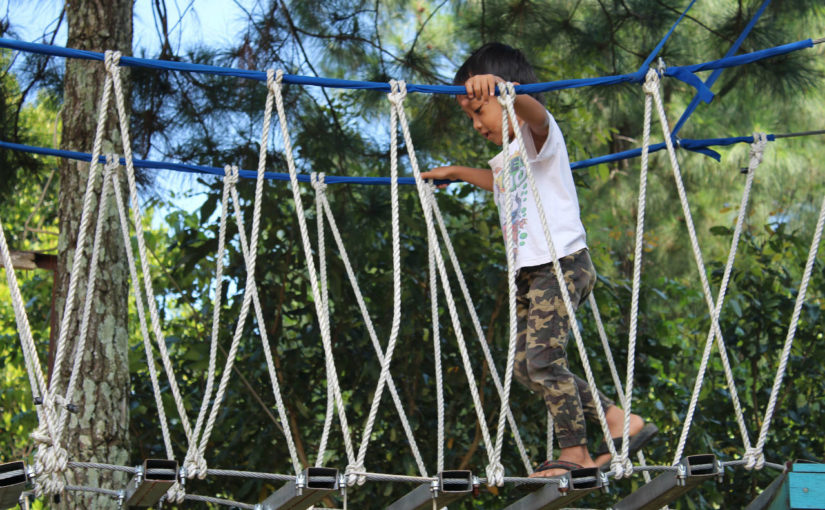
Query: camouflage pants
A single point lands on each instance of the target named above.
(543, 330)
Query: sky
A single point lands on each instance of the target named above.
(210, 22)
(193, 23)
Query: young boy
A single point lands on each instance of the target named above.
(543, 324)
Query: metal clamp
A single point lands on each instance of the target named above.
(13, 480)
(151, 481)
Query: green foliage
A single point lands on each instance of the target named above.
(216, 120)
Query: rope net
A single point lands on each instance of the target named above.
(55, 396)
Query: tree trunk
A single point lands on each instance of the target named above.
(98, 431)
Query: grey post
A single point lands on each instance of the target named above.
(572, 486)
(152, 480)
(450, 486)
(311, 486)
(667, 487)
(13, 479)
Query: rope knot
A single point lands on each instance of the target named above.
(318, 182)
(354, 474)
(398, 91)
(506, 92)
(50, 462)
(231, 175)
(757, 150)
(754, 458)
(112, 162)
(41, 437)
(111, 59)
(618, 467)
(495, 475)
(651, 82)
(274, 78)
(176, 493)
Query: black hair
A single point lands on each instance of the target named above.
(501, 60)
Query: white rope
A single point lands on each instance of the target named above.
(50, 459)
(111, 60)
(509, 244)
(755, 458)
(320, 189)
(715, 330)
(249, 255)
(332, 373)
(90, 298)
(194, 462)
(507, 96)
(422, 189)
(477, 327)
(651, 81)
(396, 98)
(176, 493)
(359, 297)
(144, 329)
(250, 258)
(436, 332)
(137, 219)
(613, 371)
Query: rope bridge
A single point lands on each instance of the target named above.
(164, 480)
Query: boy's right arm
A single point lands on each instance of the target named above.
(483, 178)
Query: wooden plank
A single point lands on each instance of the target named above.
(28, 260)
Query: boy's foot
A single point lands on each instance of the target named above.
(638, 439)
(571, 458)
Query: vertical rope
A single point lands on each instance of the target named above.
(436, 329)
(320, 193)
(508, 95)
(627, 399)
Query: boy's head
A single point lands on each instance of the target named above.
(484, 111)
(501, 60)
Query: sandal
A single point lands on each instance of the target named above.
(557, 464)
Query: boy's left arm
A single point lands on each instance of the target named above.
(535, 116)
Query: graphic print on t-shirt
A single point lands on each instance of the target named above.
(516, 226)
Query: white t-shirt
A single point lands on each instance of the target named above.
(554, 181)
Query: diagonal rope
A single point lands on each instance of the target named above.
(325, 209)
(141, 312)
(715, 330)
(477, 327)
(250, 255)
(423, 189)
(756, 458)
(275, 84)
(395, 98)
(193, 462)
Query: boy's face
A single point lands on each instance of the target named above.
(485, 112)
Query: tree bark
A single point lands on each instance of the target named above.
(98, 431)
